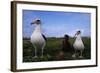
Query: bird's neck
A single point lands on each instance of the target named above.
(79, 36)
(38, 28)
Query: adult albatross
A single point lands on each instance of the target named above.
(37, 38)
(78, 45)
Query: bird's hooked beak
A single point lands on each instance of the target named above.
(32, 23)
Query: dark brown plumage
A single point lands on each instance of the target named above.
(66, 46)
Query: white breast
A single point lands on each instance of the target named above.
(78, 44)
(37, 39)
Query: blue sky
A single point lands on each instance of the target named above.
(56, 24)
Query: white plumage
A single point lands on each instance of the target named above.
(37, 39)
(78, 44)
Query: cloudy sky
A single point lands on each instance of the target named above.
(56, 24)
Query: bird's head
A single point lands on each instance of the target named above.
(36, 21)
(66, 37)
(78, 32)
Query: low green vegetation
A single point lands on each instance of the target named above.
(53, 50)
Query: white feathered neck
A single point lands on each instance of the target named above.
(78, 36)
(37, 28)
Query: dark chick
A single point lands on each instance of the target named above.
(66, 46)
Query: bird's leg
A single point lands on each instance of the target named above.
(35, 52)
(74, 55)
(42, 51)
(81, 52)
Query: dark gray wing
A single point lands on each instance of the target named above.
(44, 37)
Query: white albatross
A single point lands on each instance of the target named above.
(37, 38)
(78, 45)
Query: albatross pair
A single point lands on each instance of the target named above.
(39, 40)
